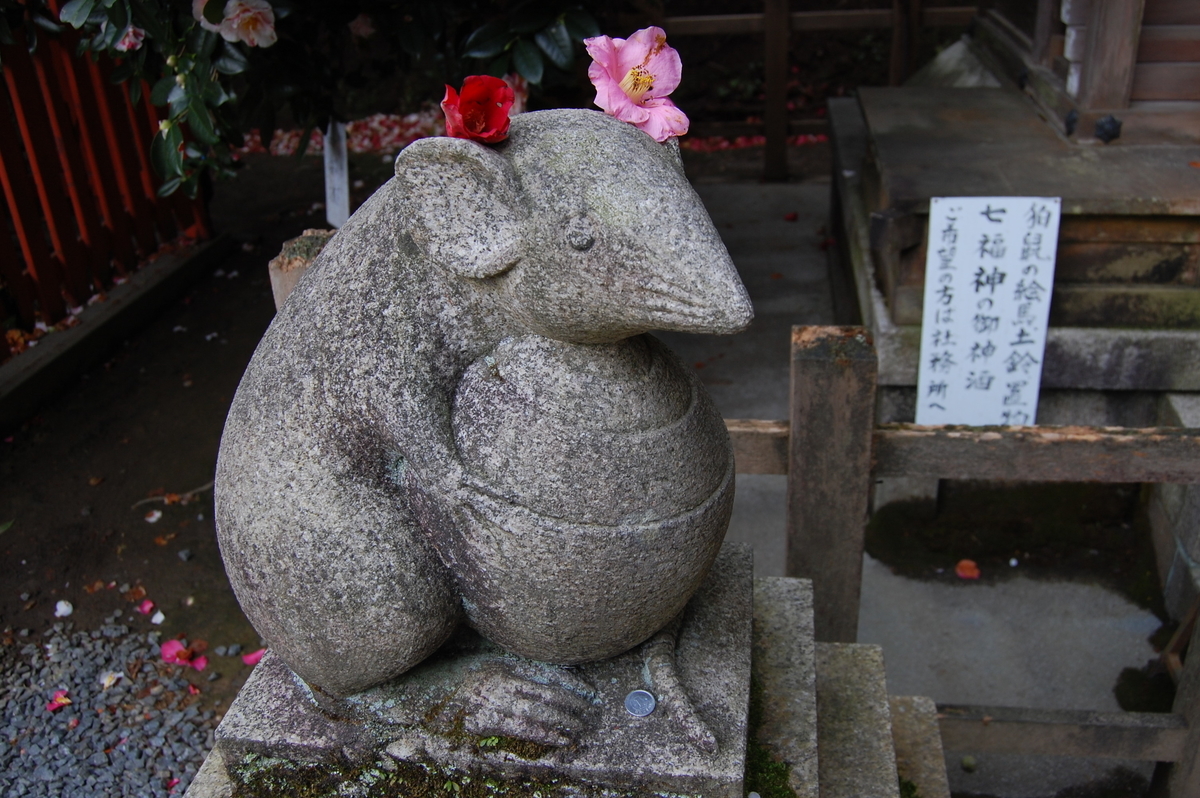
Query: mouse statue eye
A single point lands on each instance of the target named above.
(579, 233)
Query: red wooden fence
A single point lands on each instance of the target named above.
(80, 205)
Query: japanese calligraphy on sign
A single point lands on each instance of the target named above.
(988, 277)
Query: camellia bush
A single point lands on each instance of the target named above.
(224, 67)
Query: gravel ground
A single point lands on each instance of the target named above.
(143, 735)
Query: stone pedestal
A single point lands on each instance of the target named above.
(416, 730)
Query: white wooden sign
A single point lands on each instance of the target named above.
(988, 277)
(337, 175)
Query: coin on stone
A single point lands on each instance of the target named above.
(639, 703)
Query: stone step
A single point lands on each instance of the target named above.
(918, 744)
(856, 754)
(783, 699)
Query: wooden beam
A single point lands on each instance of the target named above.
(1171, 81)
(1152, 736)
(901, 42)
(858, 19)
(775, 168)
(1184, 778)
(1043, 30)
(1169, 43)
(1112, 41)
(759, 447)
(1039, 454)
(832, 415)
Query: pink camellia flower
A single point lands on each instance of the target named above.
(361, 27)
(131, 39)
(480, 113)
(175, 653)
(249, 21)
(633, 78)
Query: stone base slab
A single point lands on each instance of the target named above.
(400, 726)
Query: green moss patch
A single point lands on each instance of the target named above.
(765, 775)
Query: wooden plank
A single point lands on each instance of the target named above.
(29, 112)
(948, 17)
(759, 446)
(1112, 42)
(95, 238)
(863, 19)
(1153, 736)
(901, 54)
(1130, 229)
(1039, 454)
(1162, 307)
(775, 168)
(120, 148)
(1167, 81)
(26, 214)
(714, 24)
(99, 166)
(1143, 262)
(1168, 43)
(1043, 31)
(1184, 778)
(832, 416)
(17, 280)
(1075, 12)
(1172, 12)
(855, 19)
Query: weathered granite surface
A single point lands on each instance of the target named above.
(448, 715)
(918, 742)
(355, 534)
(784, 668)
(857, 757)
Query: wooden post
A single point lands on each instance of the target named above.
(775, 116)
(1184, 779)
(829, 470)
(901, 42)
(1113, 30)
(1043, 30)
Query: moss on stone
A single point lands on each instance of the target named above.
(765, 774)
(908, 789)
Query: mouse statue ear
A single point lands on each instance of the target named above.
(465, 203)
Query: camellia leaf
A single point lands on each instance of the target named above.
(135, 92)
(555, 42)
(498, 67)
(581, 24)
(528, 19)
(42, 21)
(165, 155)
(7, 525)
(169, 186)
(200, 121)
(231, 61)
(5, 31)
(76, 12)
(528, 61)
(488, 41)
(214, 12)
(161, 93)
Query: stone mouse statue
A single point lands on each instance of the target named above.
(350, 523)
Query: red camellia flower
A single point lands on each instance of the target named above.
(480, 112)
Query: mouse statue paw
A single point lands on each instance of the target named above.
(519, 700)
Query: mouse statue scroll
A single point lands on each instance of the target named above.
(458, 415)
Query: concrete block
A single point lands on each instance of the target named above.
(918, 742)
(857, 757)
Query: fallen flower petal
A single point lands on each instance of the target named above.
(200, 663)
(791, 217)
(174, 652)
(253, 657)
(146, 607)
(62, 609)
(967, 569)
(171, 784)
(109, 679)
(157, 618)
(153, 516)
(193, 690)
(59, 701)
(72, 723)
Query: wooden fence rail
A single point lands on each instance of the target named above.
(831, 450)
(79, 197)
(905, 19)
